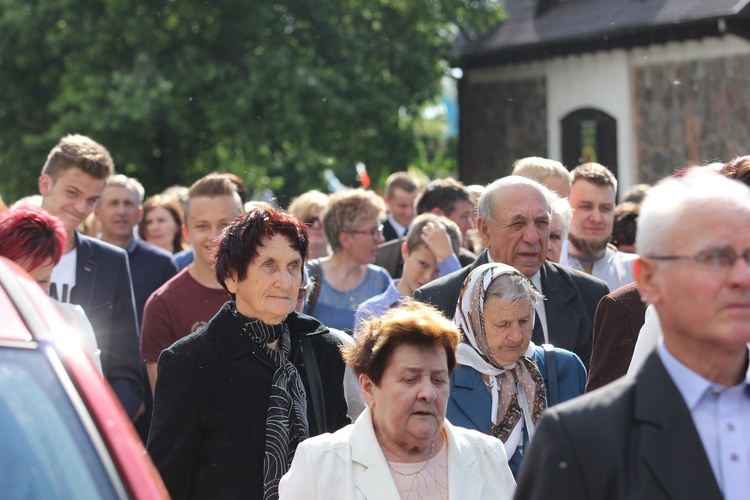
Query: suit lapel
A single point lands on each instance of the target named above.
(464, 480)
(86, 268)
(371, 474)
(563, 321)
(469, 394)
(668, 426)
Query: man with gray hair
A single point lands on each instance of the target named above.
(680, 426)
(513, 218)
(592, 196)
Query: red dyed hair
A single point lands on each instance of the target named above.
(31, 233)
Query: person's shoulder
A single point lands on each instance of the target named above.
(101, 248)
(301, 325)
(621, 257)
(325, 443)
(172, 286)
(579, 278)
(475, 439)
(447, 280)
(592, 406)
(150, 251)
(375, 270)
(566, 360)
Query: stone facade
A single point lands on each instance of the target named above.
(501, 122)
(690, 112)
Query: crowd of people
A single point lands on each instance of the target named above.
(432, 342)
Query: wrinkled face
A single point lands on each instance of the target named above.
(117, 212)
(463, 216)
(206, 219)
(41, 274)
(359, 242)
(409, 405)
(508, 327)
(269, 292)
(160, 228)
(71, 197)
(593, 216)
(420, 267)
(703, 306)
(401, 206)
(520, 234)
(556, 238)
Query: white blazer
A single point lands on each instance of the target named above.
(349, 464)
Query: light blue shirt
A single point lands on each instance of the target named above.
(377, 305)
(722, 417)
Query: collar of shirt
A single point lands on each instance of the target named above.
(691, 385)
(400, 230)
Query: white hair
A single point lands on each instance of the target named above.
(666, 203)
(491, 192)
(119, 180)
(561, 207)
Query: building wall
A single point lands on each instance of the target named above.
(673, 104)
(691, 104)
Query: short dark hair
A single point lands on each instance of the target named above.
(409, 323)
(625, 225)
(31, 233)
(738, 168)
(595, 173)
(212, 186)
(238, 243)
(442, 194)
(79, 151)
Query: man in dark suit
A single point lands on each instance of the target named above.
(400, 193)
(91, 273)
(680, 426)
(445, 197)
(617, 322)
(513, 220)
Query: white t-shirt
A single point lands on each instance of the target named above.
(63, 280)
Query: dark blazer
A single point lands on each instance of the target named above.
(570, 303)
(389, 257)
(634, 438)
(389, 232)
(617, 323)
(150, 268)
(103, 289)
(469, 402)
(212, 394)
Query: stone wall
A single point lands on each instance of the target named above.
(691, 112)
(500, 122)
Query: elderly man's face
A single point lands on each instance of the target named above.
(520, 234)
(703, 306)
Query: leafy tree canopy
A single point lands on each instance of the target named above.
(274, 91)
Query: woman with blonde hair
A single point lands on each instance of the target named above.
(348, 277)
(307, 207)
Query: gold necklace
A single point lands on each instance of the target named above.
(432, 447)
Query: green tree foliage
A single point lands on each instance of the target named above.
(272, 91)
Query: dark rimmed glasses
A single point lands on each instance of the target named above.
(311, 220)
(374, 232)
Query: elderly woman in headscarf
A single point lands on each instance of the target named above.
(502, 384)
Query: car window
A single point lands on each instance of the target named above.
(45, 451)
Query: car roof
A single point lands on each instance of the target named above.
(26, 311)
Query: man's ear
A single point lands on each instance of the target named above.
(404, 251)
(484, 231)
(140, 216)
(45, 184)
(185, 231)
(437, 211)
(647, 280)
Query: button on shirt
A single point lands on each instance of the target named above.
(722, 417)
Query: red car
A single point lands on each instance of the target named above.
(63, 433)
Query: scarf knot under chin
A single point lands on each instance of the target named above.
(286, 420)
(517, 391)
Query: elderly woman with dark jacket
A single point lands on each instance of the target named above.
(234, 399)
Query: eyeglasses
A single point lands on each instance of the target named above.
(719, 258)
(374, 232)
(311, 220)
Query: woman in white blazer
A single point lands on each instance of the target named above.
(402, 446)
